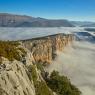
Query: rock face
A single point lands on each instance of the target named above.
(18, 78)
(44, 49)
(14, 79)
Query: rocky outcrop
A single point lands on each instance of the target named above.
(44, 49)
(17, 78)
(24, 77)
(14, 79)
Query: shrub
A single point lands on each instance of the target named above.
(40, 66)
(42, 89)
(61, 85)
(32, 73)
(11, 51)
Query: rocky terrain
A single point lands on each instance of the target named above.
(10, 20)
(27, 76)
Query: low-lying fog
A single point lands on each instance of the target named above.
(78, 63)
(7, 33)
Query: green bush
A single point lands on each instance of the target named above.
(32, 73)
(40, 66)
(42, 89)
(11, 51)
(61, 85)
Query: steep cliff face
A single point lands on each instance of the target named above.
(24, 77)
(44, 49)
(17, 78)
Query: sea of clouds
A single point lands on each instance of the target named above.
(28, 33)
(77, 62)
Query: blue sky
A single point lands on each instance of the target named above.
(83, 10)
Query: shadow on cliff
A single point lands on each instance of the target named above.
(78, 63)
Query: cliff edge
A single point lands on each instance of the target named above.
(26, 75)
(44, 49)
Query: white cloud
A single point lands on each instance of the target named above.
(28, 33)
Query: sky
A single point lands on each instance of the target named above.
(80, 10)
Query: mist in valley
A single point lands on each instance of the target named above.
(77, 62)
(9, 33)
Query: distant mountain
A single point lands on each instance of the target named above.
(89, 25)
(82, 23)
(90, 29)
(10, 20)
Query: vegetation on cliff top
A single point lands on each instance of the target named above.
(11, 50)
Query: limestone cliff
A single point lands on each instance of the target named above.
(44, 49)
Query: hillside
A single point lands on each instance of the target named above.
(10, 20)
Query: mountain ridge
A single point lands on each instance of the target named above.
(11, 20)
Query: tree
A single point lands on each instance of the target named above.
(61, 85)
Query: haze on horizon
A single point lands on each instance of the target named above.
(75, 10)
